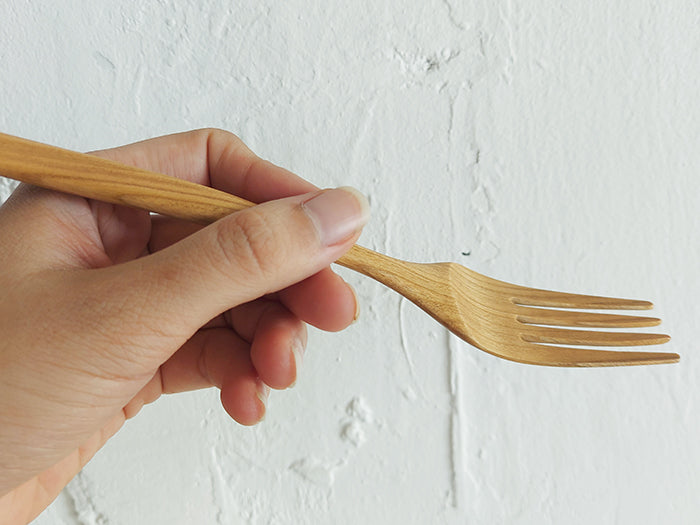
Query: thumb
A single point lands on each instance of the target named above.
(248, 254)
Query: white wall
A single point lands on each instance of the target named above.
(555, 143)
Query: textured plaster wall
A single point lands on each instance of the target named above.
(552, 144)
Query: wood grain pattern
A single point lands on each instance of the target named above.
(506, 320)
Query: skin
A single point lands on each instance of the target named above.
(105, 308)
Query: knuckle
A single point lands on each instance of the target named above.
(216, 136)
(247, 241)
(218, 133)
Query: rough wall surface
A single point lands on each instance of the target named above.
(552, 144)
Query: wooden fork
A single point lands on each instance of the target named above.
(506, 320)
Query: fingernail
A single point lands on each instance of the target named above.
(263, 393)
(357, 304)
(338, 214)
(298, 353)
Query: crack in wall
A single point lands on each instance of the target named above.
(451, 16)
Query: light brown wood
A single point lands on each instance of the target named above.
(506, 320)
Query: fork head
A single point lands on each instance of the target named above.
(528, 325)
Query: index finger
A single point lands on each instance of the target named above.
(212, 157)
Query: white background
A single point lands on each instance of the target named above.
(552, 144)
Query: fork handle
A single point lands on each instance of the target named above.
(106, 180)
(93, 177)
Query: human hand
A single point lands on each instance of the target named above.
(105, 308)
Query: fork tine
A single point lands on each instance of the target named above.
(586, 357)
(539, 334)
(533, 297)
(586, 319)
